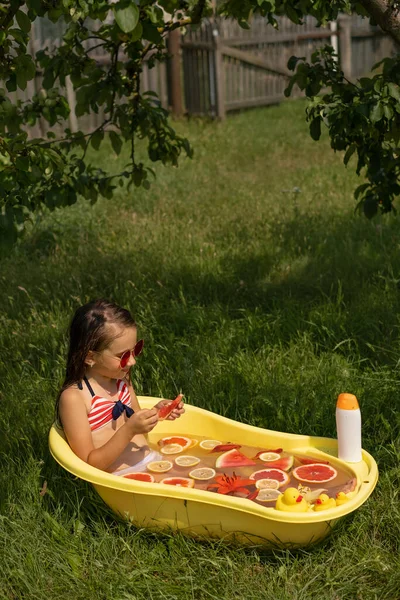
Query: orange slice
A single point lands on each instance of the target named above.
(202, 473)
(187, 461)
(269, 456)
(171, 449)
(209, 444)
(267, 484)
(268, 495)
(160, 466)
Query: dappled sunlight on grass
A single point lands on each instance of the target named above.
(261, 296)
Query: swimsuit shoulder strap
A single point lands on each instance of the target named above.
(89, 387)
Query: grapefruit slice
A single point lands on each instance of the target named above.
(315, 473)
(167, 409)
(160, 466)
(178, 481)
(209, 444)
(268, 495)
(267, 484)
(172, 449)
(185, 442)
(280, 476)
(202, 473)
(284, 463)
(233, 458)
(148, 477)
(187, 461)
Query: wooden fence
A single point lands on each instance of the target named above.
(221, 67)
(228, 68)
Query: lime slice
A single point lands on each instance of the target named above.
(202, 473)
(172, 449)
(267, 484)
(160, 466)
(268, 495)
(209, 444)
(187, 461)
(269, 456)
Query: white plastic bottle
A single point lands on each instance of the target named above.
(348, 427)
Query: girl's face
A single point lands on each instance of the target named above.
(107, 362)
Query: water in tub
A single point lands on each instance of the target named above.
(258, 474)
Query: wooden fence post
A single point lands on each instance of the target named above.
(345, 45)
(174, 46)
(219, 74)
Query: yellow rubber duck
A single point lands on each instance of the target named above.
(323, 502)
(291, 501)
(341, 498)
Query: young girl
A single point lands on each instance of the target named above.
(97, 406)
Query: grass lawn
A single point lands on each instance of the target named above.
(261, 296)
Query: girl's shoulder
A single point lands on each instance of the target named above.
(71, 393)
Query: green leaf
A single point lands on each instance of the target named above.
(394, 91)
(315, 129)
(97, 138)
(126, 15)
(22, 163)
(151, 33)
(350, 151)
(136, 33)
(376, 113)
(388, 112)
(116, 142)
(23, 21)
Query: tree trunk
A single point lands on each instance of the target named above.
(386, 16)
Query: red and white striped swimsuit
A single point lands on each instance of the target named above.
(101, 409)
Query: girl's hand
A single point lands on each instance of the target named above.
(143, 421)
(176, 413)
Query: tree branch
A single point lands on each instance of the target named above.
(386, 15)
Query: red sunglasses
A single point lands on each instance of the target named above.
(123, 361)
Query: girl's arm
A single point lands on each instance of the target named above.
(77, 430)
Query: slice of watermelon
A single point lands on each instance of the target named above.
(178, 481)
(315, 473)
(233, 458)
(280, 476)
(167, 409)
(225, 447)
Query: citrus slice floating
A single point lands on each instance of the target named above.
(187, 461)
(315, 473)
(185, 442)
(280, 476)
(178, 481)
(160, 466)
(147, 477)
(269, 456)
(268, 495)
(202, 473)
(172, 449)
(267, 484)
(209, 444)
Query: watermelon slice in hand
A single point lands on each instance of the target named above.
(167, 409)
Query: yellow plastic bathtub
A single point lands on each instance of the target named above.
(205, 514)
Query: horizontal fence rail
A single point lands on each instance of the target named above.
(220, 67)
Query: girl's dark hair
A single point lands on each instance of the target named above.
(89, 330)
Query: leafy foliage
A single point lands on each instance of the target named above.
(363, 118)
(52, 172)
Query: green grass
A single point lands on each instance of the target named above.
(260, 295)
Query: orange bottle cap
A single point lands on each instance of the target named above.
(347, 402)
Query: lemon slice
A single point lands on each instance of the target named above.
(209, 444)
(268, 495)
(187, 461)
(269, 456)
(171, 449)
(160, 466)
(202, 473)
(267, 484)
